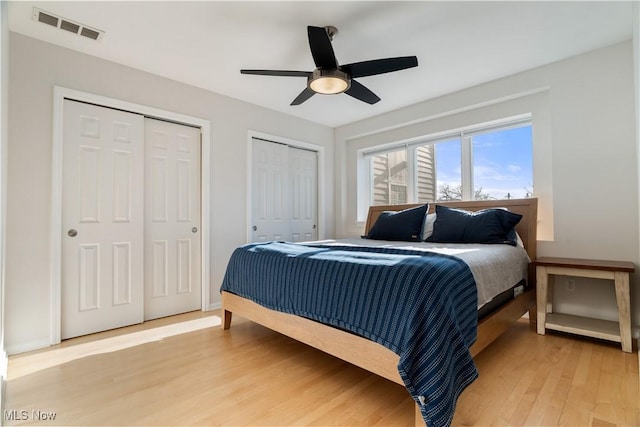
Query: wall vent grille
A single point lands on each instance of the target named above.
(77, 28)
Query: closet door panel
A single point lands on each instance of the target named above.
(102, 218)
(270, 191)
(172, 219)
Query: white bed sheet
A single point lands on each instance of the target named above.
(495, 268)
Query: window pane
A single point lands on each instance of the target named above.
(448, 170)
(389, 178)
(425, 174)
(502, 164)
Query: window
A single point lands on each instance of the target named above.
(479, 163)
(390, 177)
(502, 165)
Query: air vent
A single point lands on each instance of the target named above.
(45, 18)
(90, 33)
(69, 26)
(66, 24)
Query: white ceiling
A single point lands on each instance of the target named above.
(458, 44)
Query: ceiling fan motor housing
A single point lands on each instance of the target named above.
(328, 81)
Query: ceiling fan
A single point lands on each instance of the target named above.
(331, 78)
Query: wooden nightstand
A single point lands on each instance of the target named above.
(618, 271)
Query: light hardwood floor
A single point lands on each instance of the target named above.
(250, 375)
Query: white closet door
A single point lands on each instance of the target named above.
(172, 219)
(270, 191)
(102, 217)
(304, 194)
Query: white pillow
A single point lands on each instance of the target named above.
(427, 226)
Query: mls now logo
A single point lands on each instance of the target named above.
(24, 415)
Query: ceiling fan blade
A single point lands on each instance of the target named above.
(282, 73)
(379, 66)
(321, 48)
(304, 95)
(359, 91)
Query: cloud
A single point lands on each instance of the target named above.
(514, 168)
(498, 173)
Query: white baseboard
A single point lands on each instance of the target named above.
(214, 306)
(29, 346)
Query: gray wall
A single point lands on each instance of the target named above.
(4, 136)
(36, 67)
(585, 159)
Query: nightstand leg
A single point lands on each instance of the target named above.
(624, 310)
(542, 285)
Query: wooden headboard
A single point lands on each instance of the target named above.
(526, 228)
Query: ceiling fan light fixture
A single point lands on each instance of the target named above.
(330, 78)
(329, 82)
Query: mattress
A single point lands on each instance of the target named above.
(495, 268)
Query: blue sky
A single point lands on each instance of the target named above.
(502, 162)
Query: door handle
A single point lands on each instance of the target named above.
(194, 230)
(72, 233)
(254, 228)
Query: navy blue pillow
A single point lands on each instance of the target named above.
(403, 225)
(485, 226)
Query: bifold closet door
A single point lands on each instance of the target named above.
(284, 192)
(102, 219)
(131, 219)
(172, 219)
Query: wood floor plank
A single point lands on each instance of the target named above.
(556, 402)
(250, 375)
(549, 403)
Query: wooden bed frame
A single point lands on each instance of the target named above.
(373, 356)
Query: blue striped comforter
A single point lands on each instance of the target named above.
(422, 306)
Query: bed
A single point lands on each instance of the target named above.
(359, 349)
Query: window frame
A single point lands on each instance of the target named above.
(464, 135)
